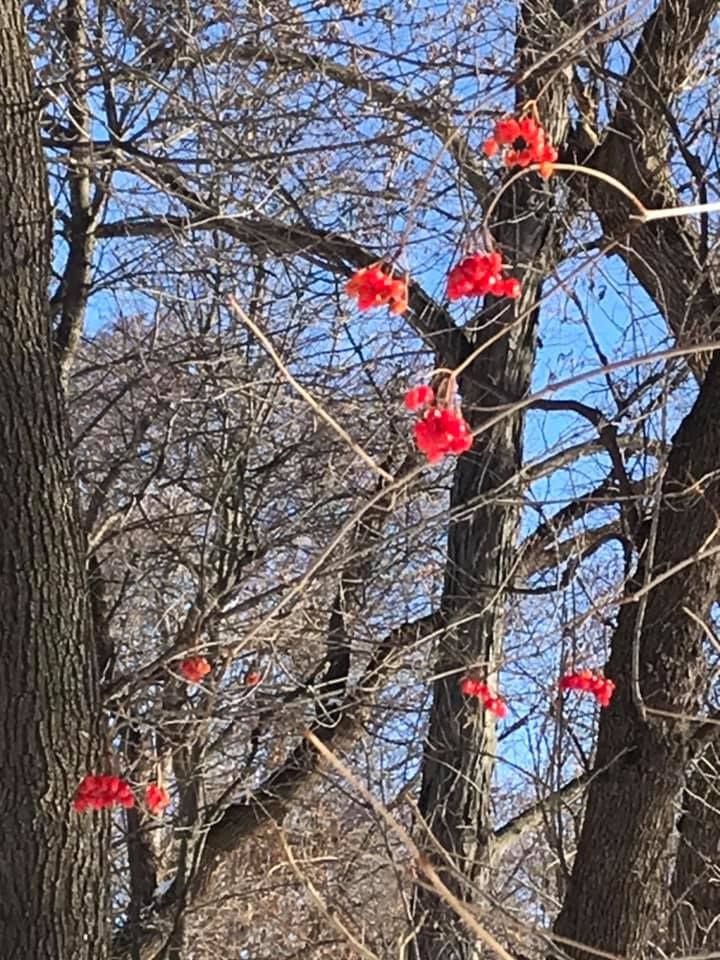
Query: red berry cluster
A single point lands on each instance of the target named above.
(523, 142)
(480, 274)
(439, 430)
(418, 397)
(156, 798)
(100, 791)
(374, 286)
(195, 668)
(588, 682)
(476, 688)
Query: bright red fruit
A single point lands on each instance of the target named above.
(374, 287)
(588, 682)
(97, 791)
(156, 798)
(524, 142)
(418, 397)
(480, 274)
(512, 288)
(441, 431)
(195, 668)
(472, 687)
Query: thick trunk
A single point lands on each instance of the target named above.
(618, 893)
(52, 878)
(667, 257)
(618, 887)
(459, 753)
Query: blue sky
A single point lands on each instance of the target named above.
(602, 301)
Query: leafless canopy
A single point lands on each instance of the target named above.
(206, 453)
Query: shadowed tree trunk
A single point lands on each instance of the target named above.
(53, 904)
(618, 891)
(53, 884)
(622, 863)
(625, 870)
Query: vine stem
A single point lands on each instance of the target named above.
(319, 409)
(575, 168)
(644, 215)
(666, 212)
(422, 864)
(503, 331)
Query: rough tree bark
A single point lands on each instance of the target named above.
(622, 861)
(668, 257)
(52, 875)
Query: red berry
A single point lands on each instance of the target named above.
(418, 397)
(195, 668)
(156, 798)
(373, 287)
(478, 275)
(523, 142)
(441, 431)
(470, 686)
(587, 682)
(98, 791)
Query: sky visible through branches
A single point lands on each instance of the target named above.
(281, 150)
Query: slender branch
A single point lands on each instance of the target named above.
(422, 863)
(510, 832)
(664, 255)
(318, 408)
(317, 898)
(270, 802)
(74, 290)
(339, 254)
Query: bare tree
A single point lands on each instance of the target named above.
(248, 491)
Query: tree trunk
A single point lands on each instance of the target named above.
(618, 890)
(53, 881)
(459, 752)
(458, 760)
(619, 881)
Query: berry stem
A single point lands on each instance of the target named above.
(588, 171)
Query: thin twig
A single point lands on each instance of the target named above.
(422, 863)
(315, 894)
(667, 212)
(305, 394)
(570, 168)
(709, 633)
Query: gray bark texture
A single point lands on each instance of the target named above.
(460, 749)
(52, 879)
